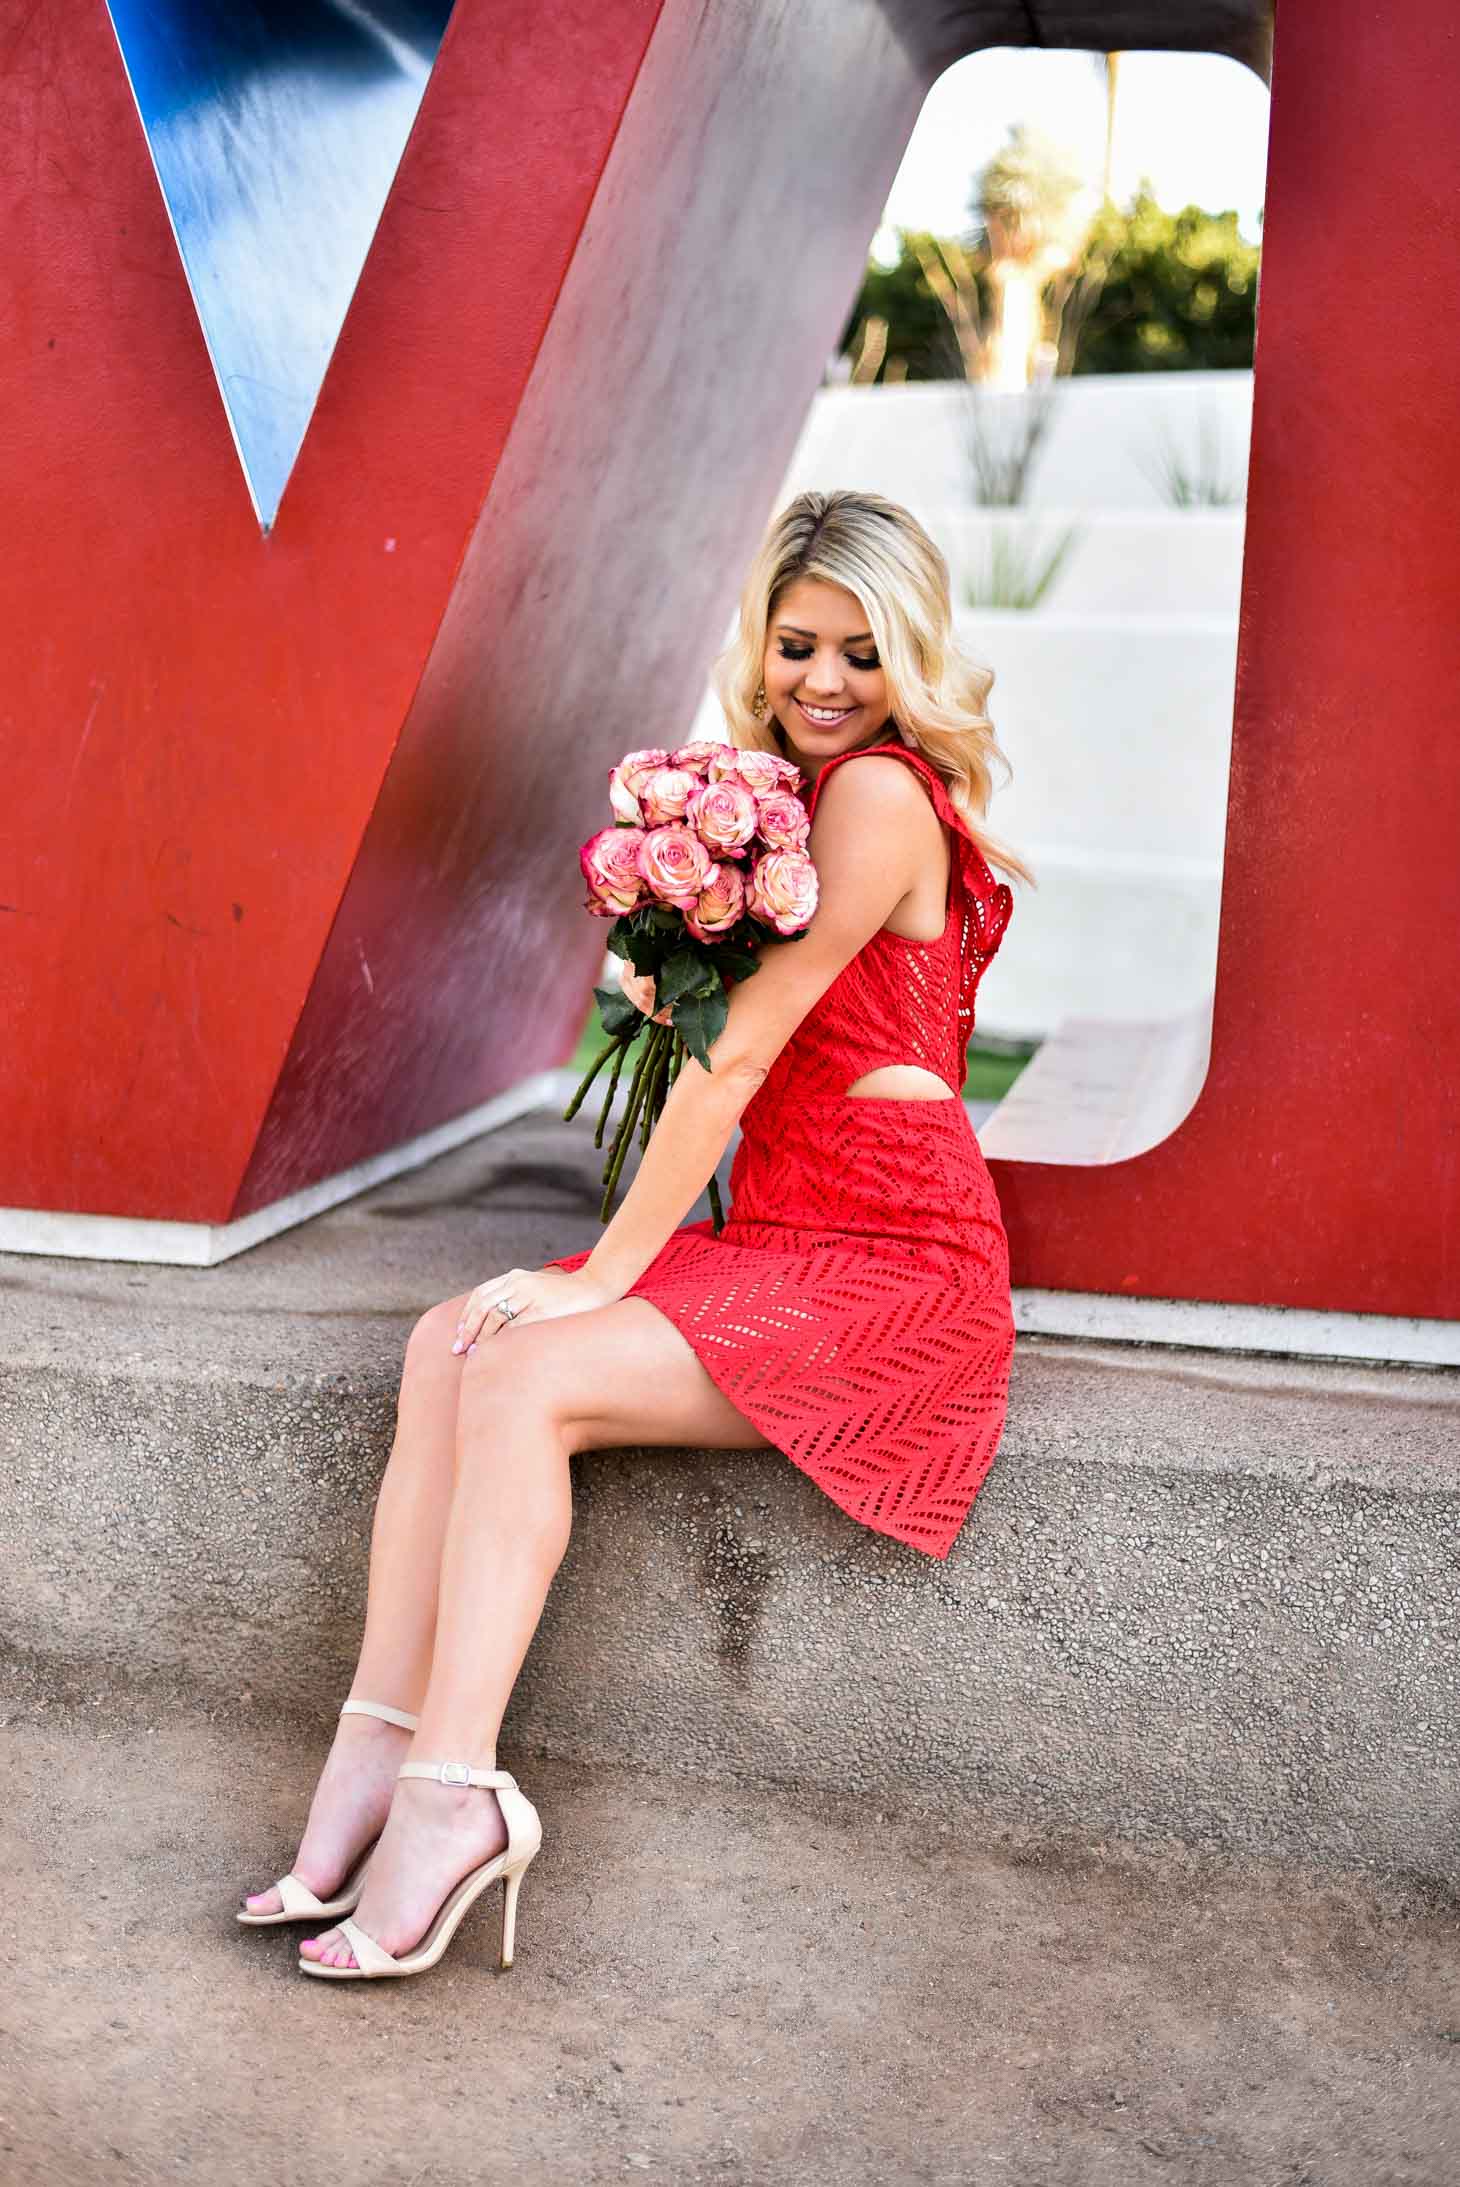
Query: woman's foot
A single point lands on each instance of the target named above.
(436, 1835)
(351, 1802)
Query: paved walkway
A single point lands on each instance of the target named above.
(713, 1985)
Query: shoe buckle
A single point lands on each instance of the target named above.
(456, 1773)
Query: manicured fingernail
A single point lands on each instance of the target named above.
(456, 1347)
(469, 1350)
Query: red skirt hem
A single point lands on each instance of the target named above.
(923, 1535)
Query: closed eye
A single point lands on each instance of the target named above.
(803, 653)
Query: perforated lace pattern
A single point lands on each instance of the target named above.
(856, 1305)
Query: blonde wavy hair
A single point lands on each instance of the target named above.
(878, 550)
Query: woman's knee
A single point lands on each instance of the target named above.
(430, 1341)
(518, 1366)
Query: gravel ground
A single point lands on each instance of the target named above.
(712, 1985)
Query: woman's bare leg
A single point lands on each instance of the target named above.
(353, 1795)
(530, 1397)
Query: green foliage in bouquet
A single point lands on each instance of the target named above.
(690, 982)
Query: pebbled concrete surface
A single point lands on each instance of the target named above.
(713, 1985)
(1207, 1597)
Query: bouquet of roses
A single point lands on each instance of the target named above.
(706, 860)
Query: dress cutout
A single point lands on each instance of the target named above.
(856, 1305)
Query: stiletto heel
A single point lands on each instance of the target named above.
(300, 1903)
(524, 1836)
(511, 1885)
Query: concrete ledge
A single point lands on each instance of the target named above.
(1102, 1090)
(1209, 1599)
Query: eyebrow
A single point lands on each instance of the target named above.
(797, 632)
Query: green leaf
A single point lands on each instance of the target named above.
(699, 1020)
(615, 1012)
(686, 973)
(739, 963)
(645, 951)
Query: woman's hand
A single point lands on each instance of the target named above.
(640, 987)
(534, 1294)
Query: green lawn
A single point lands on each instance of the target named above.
(991, 1071)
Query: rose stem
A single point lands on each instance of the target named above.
(654, 1096)
(625, 1043)
(641, 1061)
(620, 1146)
(594, 1068)
(716, 1210)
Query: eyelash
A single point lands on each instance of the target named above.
(803, 653)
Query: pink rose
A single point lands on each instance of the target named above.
(783, 822)
(675, 864)
(783, 890)
(697, 756)
(721, 903)
(759, 771)
(723, 815)
(610, 863)
(764, 772)
(665, 793)
(626, 780)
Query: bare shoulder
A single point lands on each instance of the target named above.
(876, 798)
(875, 783)
(875, 790)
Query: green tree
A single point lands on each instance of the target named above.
(1151, 291)
(920, 341)
(1163, 292)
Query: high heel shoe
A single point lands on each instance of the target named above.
(524, 1836)
(300, 1903)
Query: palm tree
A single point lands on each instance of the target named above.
(1035, 208)
(1110, 64)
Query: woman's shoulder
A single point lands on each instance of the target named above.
(887, 780)
(900, 791)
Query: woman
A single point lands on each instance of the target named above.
(854, 1313)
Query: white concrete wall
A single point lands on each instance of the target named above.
(1118, 732)
(1116, 561)
(1101, 450)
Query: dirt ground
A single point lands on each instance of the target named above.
(714, 1983)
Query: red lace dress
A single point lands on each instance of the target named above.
(856, 1305)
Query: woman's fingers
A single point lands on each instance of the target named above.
(641, 987)
(482, 1304)
(633, 983)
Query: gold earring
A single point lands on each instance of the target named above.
(758, 705)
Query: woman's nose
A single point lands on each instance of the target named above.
(826, 679)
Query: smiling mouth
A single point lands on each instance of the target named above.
(827, 719)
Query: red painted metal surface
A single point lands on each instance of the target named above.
(196, 720)
(1320, 1166)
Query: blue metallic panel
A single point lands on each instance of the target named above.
(276, 131)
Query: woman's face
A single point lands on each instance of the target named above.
(820, 655)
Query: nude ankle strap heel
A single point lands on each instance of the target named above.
(524, 1837)
(300, 1903)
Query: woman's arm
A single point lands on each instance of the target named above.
(868, 840)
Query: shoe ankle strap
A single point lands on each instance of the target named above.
(378, 1708)
(459, 1773)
